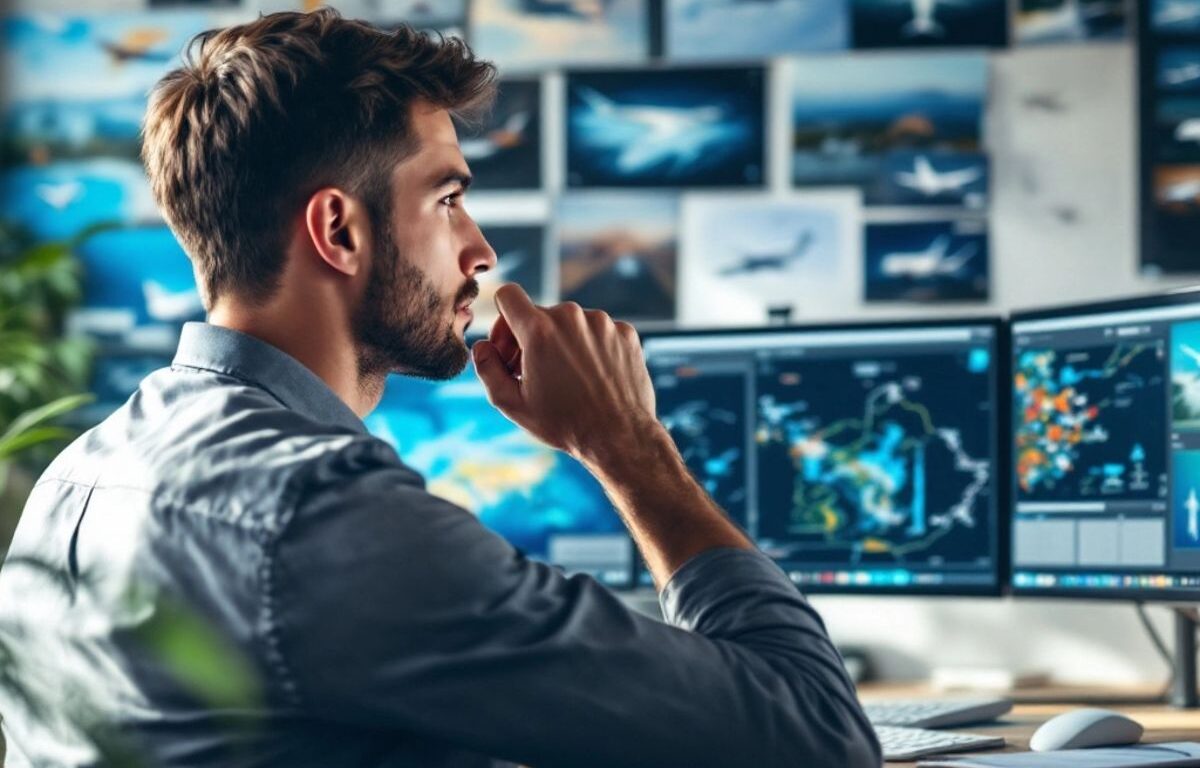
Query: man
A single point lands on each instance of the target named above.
(311, 169)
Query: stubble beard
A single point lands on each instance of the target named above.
(401, 325)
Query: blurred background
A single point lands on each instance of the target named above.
(678, 163)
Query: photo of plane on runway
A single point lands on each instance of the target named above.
(504, 150)
(666, 128)
(525, 34)
(927, 261)
(1175, 17)
(764, 253)
(696, 30)
(929, 23)
(618, 253)
(1057, 21)
(1177, 190)
(849, 114)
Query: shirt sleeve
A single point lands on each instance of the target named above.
(394, 609)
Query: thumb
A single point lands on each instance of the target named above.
(503, 390)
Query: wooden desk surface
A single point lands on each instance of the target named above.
(1032, 709)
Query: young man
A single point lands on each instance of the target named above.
(310, 167)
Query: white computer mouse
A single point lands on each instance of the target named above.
(1082, 728)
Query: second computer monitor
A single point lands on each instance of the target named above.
(861, 458)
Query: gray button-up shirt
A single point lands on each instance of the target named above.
(233, 572)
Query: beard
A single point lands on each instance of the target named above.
(401, 325)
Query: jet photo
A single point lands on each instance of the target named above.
(929, 23)
(1178, 70)
(520, 258)
(1177, 189)
(924, 178)
(665, 128)
(1170, 17)
(504, 150)
(527, 34)
(1177, 129)
(933, 261)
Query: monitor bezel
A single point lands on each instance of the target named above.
(1000, 489)
(1189, 295)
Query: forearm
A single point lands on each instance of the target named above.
(671, 517)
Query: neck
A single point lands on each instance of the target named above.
(320, 340)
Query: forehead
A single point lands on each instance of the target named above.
(436, 142)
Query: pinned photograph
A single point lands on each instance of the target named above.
(666, 128)
(1185, 377)
(934, 261)
(539, 33)
(931, 178)
(929, 23)
(1177, 129)
(1058, 21)
(1177, 189)
(617, 253)
(739, 30)
(520, 258)
(1175, 17)
(849, 114)
(504, 151)
(1178, 70)
(761, 256)
(138, 289)
(1186, 471)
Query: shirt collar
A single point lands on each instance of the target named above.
(224, 350)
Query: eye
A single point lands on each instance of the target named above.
(451, 200)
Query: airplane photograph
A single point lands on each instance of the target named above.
(925, 178)
(504, 149)
(1177, 189)
(697, 30)
(927, 261)
(929, 23)
(848, 114)
(1175, 16)
(1050, 21)
(761, 253)
(520, 258)
(699, 128)
(618, 254)
(521, 34)
(1179, 69)
(1177, 129)
(1185, 377)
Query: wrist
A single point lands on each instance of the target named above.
(643, 446)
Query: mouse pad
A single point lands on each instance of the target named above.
(1180, 754)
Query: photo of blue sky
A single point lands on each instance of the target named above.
(745, 30)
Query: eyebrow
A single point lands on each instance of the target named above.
(453, 177)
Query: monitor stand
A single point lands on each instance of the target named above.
(1183, 685)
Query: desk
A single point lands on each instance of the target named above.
(1161, 722)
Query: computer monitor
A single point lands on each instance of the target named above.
(1106, 449)
(862, 458)
(539, 499)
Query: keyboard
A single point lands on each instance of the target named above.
(937, 713)
(910, 743)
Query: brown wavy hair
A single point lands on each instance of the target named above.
(262, 115)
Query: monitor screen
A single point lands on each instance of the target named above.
(1106, 449)
(860, 458)
(539, 499)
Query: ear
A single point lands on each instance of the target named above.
(337, 225)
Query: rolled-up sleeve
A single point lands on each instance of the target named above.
(393, 609)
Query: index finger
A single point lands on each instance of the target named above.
(516, 309)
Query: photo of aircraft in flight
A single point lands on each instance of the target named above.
(909, 23)
(504, 151)
(510, 135)
(932, 261)
(771, 261)
(140, 44)
(575, 9)
(752, 29)
(1175, 15)
(930, 182)
(927, 261)
(1181, 76)
(665, 128)
(527, 33)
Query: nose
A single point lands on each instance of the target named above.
(477, 255)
